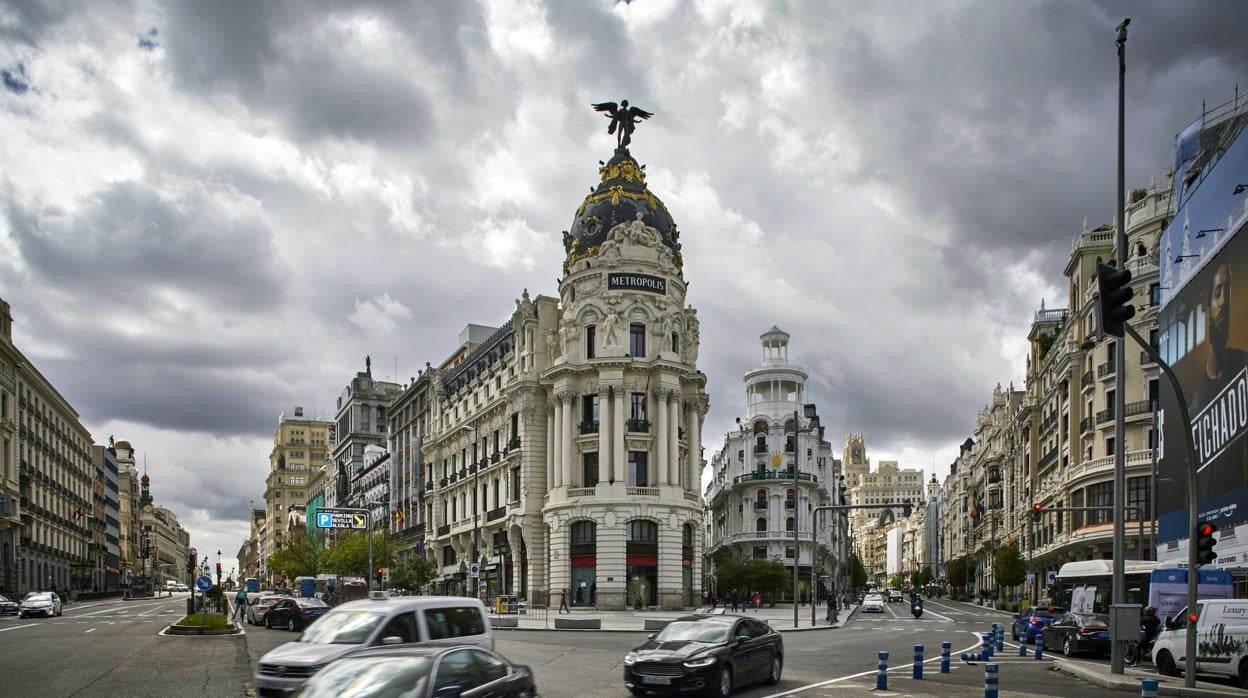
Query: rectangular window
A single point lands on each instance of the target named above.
(638, 475)
(638, 406)
(1138, 496)
(589, 469)
(637, 340)
(590, 341)
(760, 552)
(589, 409)
(1100, 495)
(515, 484)
(1109, 445)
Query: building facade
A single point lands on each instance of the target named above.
(106, 525)
(10, 486)
(888, 483)
(299, 442)
(565, 449)
(360, 423)
(409, 417)
(753, 506)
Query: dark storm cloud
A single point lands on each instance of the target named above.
(183, 241)
(15, 80)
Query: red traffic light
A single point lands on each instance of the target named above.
(1192, 617)
(1037, 507)
(1207, 529)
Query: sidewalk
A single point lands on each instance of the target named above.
(780, 618)
(1098, 673)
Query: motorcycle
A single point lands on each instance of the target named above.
(916, 610)
(1140, 650)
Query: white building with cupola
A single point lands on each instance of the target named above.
(771, 473)
(565, 443)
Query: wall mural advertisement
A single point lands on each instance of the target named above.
(1203, 335)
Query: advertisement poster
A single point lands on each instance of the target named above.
(1203, 335)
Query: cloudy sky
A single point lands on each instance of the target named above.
(211, 211)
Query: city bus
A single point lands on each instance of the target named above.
(1086, 586)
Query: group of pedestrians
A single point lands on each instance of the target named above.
(737, 601)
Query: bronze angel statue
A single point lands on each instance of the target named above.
(624, 120)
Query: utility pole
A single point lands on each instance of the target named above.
(797, 548)
(1117, 645)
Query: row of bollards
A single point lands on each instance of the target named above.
(989, 644)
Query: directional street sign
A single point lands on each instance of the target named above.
(474, 570)
(342, 518)
(203, 583)
(1031, 578)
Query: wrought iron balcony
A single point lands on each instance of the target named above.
(495, 514)
(760, 448)
(773, 475)
(790, 503)
(1132, 409)
(429, 485)
(444, 529)
(1085, 425)
(496, 457)
(994, 475)
(590, 427)
(514, 443)
(1105, 416)
(639, 426)
(1106, 369)
(760, 505)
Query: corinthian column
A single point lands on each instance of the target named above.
(660, 437)
(619, 461)
(569, 433)
(693, 436)
(556, 456)
(673, 439)
(604, 437)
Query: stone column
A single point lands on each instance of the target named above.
(612, 574)
(556, 460)
(569, 433)
(693, 437)
(673, 440)
(604, 437)
(660, 437)
(619, 460)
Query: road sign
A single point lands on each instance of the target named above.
(203, 583)
(342, 518)
(1031, 578)
(474, 570)
(1051, 577)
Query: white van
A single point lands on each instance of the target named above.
(379, 620)
(1221, 640)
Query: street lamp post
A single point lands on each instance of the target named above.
(476, 508)
(218, 568)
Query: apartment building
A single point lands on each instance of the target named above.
(299, 441)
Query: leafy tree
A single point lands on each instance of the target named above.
(1009, 565)
(857, 573)
(960, 572)
(730, 574)
(895, 582)
(299, 557)
(769, 575)
(348, 553)
(925, 576)
(412, 573)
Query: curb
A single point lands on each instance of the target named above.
(1133, 684)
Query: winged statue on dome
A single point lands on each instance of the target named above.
(624, 120)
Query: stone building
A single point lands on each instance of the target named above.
(888, 483)
(299, 442)
(751, 499)
(409, 416)
(360, 422)
(565, 448)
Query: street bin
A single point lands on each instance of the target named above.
(190, 606)
(500, 604)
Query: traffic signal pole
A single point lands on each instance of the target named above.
(1193, 500)
(1118, 644)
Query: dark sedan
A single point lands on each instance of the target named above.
(705, 653)
(1033, 621)
(7, 605)
(422, 672)
(1078, 632)
(294, 614)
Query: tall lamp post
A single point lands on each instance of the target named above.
(218, 568)
(476, 520)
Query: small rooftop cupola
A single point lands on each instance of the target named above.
(777, 387)
(775, 347)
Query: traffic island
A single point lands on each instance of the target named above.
(203, 624)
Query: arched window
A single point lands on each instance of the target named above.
(788, 524)
(760, 525)
(643, 532)
(760, 427)
(760, 495)
(583, 532)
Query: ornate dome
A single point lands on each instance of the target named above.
(618, 198)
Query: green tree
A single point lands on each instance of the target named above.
(857, 573)
(731, 574)
(925, 576)
(412, 573)
(299, 557)
(768, 576)
(895, 582)
(960, 572)
(347, 554)
(1009, 565)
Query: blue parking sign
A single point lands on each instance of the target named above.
(324, 519)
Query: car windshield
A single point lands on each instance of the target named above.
(370, 677)
(39, 597)
(1044, 612)
(3, 598)
(311, 603)
(693, 631)
(342, 628)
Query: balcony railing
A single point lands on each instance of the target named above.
(1048, 459)
(590, 427)
(1146, 359)
(1086, 380)
(496, 457)
(1105, 416)
(1085, 425)
(790, 504)
(994, 476)
(642, 491)
(429, 486)
(1132, 409)
(773, 475)
(495, 514)
(444, 529)
(760, 448)
(1105, 369)
(641, 426)
(582, 492)
(514, 443)
(760, 505)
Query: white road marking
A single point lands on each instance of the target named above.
(91, 630)
(17, 627)
(872, 672)
(888, 608)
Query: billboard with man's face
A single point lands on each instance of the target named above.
(1203, 335)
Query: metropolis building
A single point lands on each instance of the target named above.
(752, 502)
(565, 445)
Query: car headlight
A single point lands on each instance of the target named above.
(630, 659)
(700, 663)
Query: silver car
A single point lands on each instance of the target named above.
(357, 625)
(42, 603)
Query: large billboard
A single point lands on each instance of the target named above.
(1203, 335)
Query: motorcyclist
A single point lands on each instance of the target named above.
(916, 605)
(1150, 626)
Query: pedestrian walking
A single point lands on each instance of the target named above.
(758, 601)
(240, 603)
(563, 602)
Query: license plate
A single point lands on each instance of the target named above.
(657, 680)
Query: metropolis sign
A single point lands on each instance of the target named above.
(342, 518)
(636, 282)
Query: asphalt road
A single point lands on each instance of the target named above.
(114, 648)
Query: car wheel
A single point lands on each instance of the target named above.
(268, 622)
(723, 684)
(1014, 633)
(1243, 673)
(1165, 664)
(290, 625)
(1068, 647)
(777, 667)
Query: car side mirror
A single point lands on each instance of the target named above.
(448, 692)
(392, 640)
(652, 635)
(742, 638)
(1168, 623)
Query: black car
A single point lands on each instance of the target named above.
(713, 654)
(7, 605)
(422, 671)
(294, 614)
(1078, 632)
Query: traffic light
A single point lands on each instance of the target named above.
(378, 575)
(906, 508)
(1037, 511)
(1113, 304)
(1205, 542)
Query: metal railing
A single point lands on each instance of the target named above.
(1105, 370)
